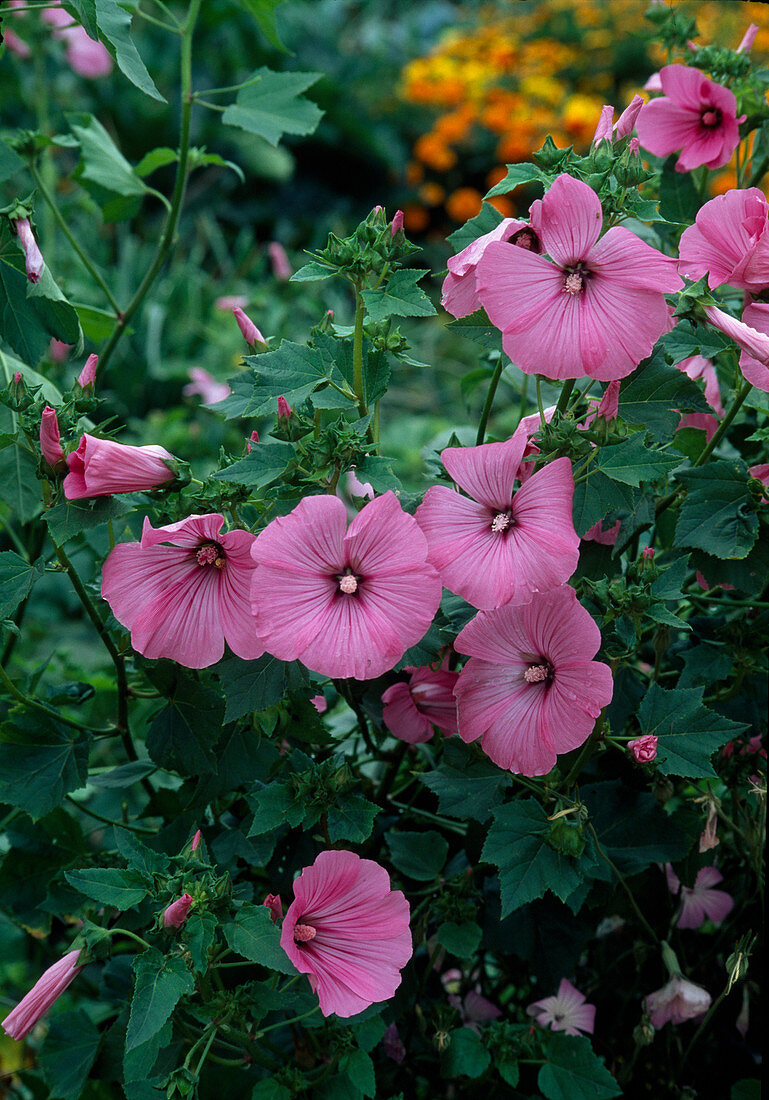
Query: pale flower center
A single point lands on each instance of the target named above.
(711, 118)
(303, 933)
(572, 284)
(349, 585)
(211, 553)
(501, 522)
(539, 674)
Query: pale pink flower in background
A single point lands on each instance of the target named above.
(281, 265)
(85, 56)
(761, 473)
(605, 128)
(643, 749)
(459, 294)
(320, 704)
(393, 1044)
(348, 931)
(102, 466)
(703, 422)
(627, 120)
(412, 709)
(20, 1021)
(58, 350)
(695, 115)
(177, 912)
(474, 1009)
(397, 223)
(606, 537)
(205, 386)
(709, 838)
(654, 83)
(250, 332)
(87, 376)
(345, 602)
(356, 488)
(742, 1022)
(50, 439)
(275, 905)
(729, 241)
(495, 546)
(56, 16)
(748, 39)
(678, 1001)
(608, 925)
(32, 256)
(596, 308)
(530, 689)
(228, 302)
(184, 590)
(567, 1011)
(754, 361)
(703, 902)
(697, 366)
(16, 45)
(284, 409)
(672, 879)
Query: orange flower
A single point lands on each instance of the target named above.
(415, 218)
(432, 194)
(464, 203)
(433, 151)
(504, 204)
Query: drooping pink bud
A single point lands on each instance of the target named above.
(281, 265)
(708, 839)
(275, 905)
(177, 912)
(284, 409)
(330, 314)
(752, 341)
(100, 467)
(603, 131)
(254, 438)
(748, 38)
(32, 254)
(609, 406)
(195, 841)
(50, 440)
(58, 350)
(46, 990)
(251, 333)
(87, 376)
(643, 749)
(626, 120)
(397, 222)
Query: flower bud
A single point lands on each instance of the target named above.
(626, 120)
(251, 333)
(32, 254)
(177, 912)
(284, 409)
(87, 376)
(603, 131)
(275, 905)
(254, 438)
(46, 990)
(643, 749)
(397, 223)
(748, 38)
(50, 440)
(281, 265)
(100, 467)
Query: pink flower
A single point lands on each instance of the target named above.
(648, 555)
(85, 56)
(275, 905)
(101, 466)
(730, 241)
(343, 603)
(253, 438)
(748, 38)
(696, 366)
(231, 301)
(702, 902)
(176, 913)
(50, 444)
(531, 690)
(754, 361)
(20, 1021)
(605, 538)
(397, 223)
(16, 45)
(459, 294)
(184, 590)
(411, 710)
(87, 376)
(206, 386)
(606, 409)
(566, 1011)
(695, 115)
(33, 257)
(677, 1002)
(320, 704)
(596, 308)
(743, 1019)
(284, 409)
(643, 749)
(709, 839)
(760, 473)
(393, 1044)
(348, 931)
(605, 128)
(654, 83)
(195, 841)
(356, 488)
(528, 427)
(494, 546)
(281, 265)
(251, 333)
(58, 350)
(627, 120)
(474, 1009)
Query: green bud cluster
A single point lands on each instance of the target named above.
(371, 249)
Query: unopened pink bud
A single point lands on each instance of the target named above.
(251, 333)
(177, 912)
(275, 905)
(87, 376)
(397, 222)
(330, 314)
(608, 409)
(254, 438)
(648, 552)
(17, 378)
(32, 254)
(58, 350)
(748, 38)
(281, 265)
(46, 990)
(284, 409)
(195, 841)
(634, 147)
(50, 444)
(643, 749)
(626, 120)
(603, 131)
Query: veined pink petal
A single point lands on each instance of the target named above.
(100, 467)
(486, 472)
(630, 262)
(312, 535)
(187, 532)
(677, 1002)
(383, 539)
(466, 260)
(568, 220)
(754, 361)
(402, 718)
(730, 241)
(697, 366)
(605, 127)
(626, 322)
(626, 121)
(459, 293)
(46, 990)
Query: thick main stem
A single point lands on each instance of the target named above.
(723, 427)
(563, 399)
(490, 399)
(357, 352)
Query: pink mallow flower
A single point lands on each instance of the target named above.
(50, 440)
(474, 1009)
(605, 537)
(677, 1002)
(697, 366)
(205, 386)
(397, 223)
(58, 350)
(531, 690)
(495, 546)
(596, 308)
(412, 709)
(343, 602)
(695, 115)
(20, 1021)
(348, 931)
(752, 335)
(87, 376)
(748, 38)
(566, 1011)
(623, 127)
(32, 255)
(459, 294)
(729, 241)
(101, 466)
(703, 902)
(177, 912)
(709, 836)
(284, 409)
(275, 905)
(643, 749)
(281, 265)
(85, 55)
(184, 590)
(250, 332)
(393, 1044)
(16, 45)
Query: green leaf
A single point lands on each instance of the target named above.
(687, 339)
(632, 828)
(377, 471)
(360, 1069)
(655, 395)
(16, 579)
(679, 198)
(110, 886)
(139, 1063)
(596, 497)
(421, 856)
(632, 462)
(114, 22)
(573, 1072)
(273, 105)
(292, 371)
(253, 686)
(156, 158)
(270, 1089)
(273, 806)
(73, 516)
(528, 866)
(461, 940)
(265, 463)
(183, 734)
(67, 1054)
(688, 731)
(351, 819)
(465, 1055)
(161, 981)
(28, 317)
(84, 11)
(254, 936)
(19, 486)
(466, 783)
(477, 326)
(104, 171)
(10, 162)
(41, 761)
(263, 12)
(488, 219)
(312, 272)
(719, 513)
(198, 933)
(97, 324)
(517, 176)
(138, 856)
(399, 297)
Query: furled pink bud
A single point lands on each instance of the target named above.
(251, 333)
(284, 409)
(195, 841)
(643, 749)
(275, 905)
(46, 990)
(397, 222)
(50, 440)
(752, 341)
(677, 1002)
(748, 38)
(32, 254)
(87, 376)
(101, 466)
(648, 552)
(58, 350)
(708, 839)
(603, 131)
(17, 378)
(254, 438)
(626, 120)
(281, 265)
(609, 406)
(177, 912)
(330, 314)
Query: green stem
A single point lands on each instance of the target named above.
(206, 1048)
(230, 87)
(587, 751)
(563, 400)
(131, 936)
(621, 879)
(109, 820)
(35, 704)
(285, 1023)
(722, 428)
(706, 1020)
(159, 22)
(490, 399)
(540, 406)
(357, 351)
(454, 826)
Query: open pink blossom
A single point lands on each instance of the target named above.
(343, 602)
(729, 241)
(495, 546)
(703, 902)
(643, 749)
(87, 376)
(33, 257)
(48, 988)
(184, 590)
(531, 690)
(205, 386)
(695, 115)
(567, 1011)
(412, 709)
(348, 931)
(101, 466)
(678, 1001)
(596, 307)
(474, 1009)
(459, 295)
(50, 440)
(85, 55)
(177, 912)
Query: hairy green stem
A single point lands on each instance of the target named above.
(565, 394)
(109, 820)
(621, 880)
(357, 351)
(36, 704)
(489, 399)
(723, 427)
